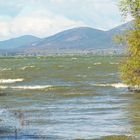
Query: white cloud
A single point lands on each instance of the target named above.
(46, 17)
(41, 23)
(101, 14)
(5, 32)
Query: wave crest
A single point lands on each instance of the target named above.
(4, 81)
(5, 69)
(32, 87)
(74, 58)
(115, 85)
(97, 63)
(114, 63)
(26, 67)
(36, 87)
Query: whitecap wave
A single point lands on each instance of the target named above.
(26, 67)
(5, 69)
(31, 87)
(97, 63)
(119, 85)
(114, 63)
(115, 85)
(74, 58)
(36, 87)
(4, 81)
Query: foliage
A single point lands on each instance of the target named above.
(130, 7)
(131, 67)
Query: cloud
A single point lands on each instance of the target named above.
(40, 22)
(4, 33)
(101, 14)
(46, 17)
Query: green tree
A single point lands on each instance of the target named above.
(130, 69)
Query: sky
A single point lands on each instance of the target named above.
(43, 18)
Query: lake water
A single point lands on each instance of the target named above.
(65, 98)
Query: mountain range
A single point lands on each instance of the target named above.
(73, 41)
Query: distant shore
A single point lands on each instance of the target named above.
(66, 54)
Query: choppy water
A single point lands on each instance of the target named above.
(66, 97)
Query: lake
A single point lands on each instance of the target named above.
(66, 98)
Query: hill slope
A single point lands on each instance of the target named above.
(76, 40)
(17, 42)
(120, 29)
